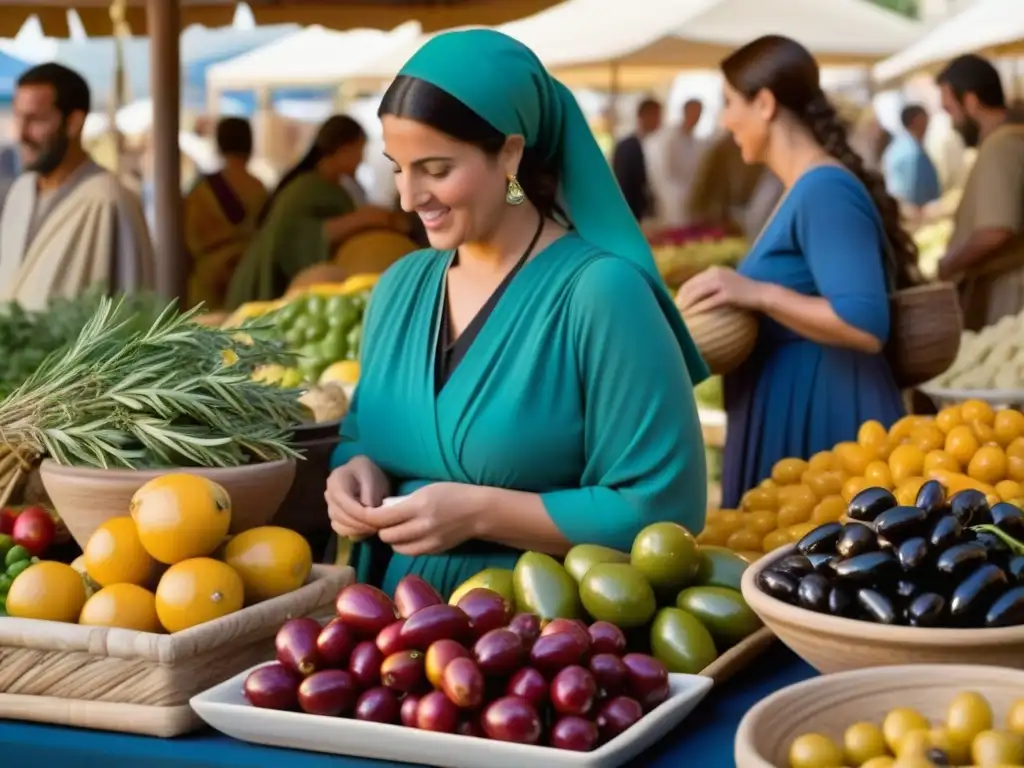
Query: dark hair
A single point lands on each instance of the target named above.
(234, 136)
(787, 70)
(973, 74)
(646, 105)
(70, 91)
(337, 132)
(910, 113)
(423, 102)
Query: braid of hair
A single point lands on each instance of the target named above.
(823, 121)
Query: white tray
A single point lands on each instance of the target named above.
(1014, 397)
(224, 707)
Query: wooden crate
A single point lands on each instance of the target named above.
(138, 682)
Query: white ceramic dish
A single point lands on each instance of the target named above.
(224, 708)
(998, 397)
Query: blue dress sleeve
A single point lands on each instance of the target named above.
(839, 232)
(644, 447)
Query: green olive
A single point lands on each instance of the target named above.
(814, 750)
(899, 722)
(862, 742)
(991, 748)
(968, 715)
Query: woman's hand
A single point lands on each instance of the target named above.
(434, 519)
(354, 491)
(717, 287)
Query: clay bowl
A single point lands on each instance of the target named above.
(830, 704)
(725, 337)
(831, 644)
(85, 497)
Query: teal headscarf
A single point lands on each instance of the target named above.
(504, 82)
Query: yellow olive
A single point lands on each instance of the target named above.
(1015, 717)
(862, 742)
(991, 748)
(899, 722)
(968, 715)
(880, 762)
(913, 762)
(814, 750)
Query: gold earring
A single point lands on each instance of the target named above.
(514, 195)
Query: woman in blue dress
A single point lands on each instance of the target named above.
(818, 277)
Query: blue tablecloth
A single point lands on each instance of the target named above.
(704, 739)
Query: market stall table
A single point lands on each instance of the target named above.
(704, 739)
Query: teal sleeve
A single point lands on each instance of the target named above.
(644, 447)
(840, 234)
(350, 445)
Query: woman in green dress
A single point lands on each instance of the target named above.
(307, 215)
(527, 383)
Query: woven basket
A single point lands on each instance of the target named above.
(725, 337)
(138, 682)
(924, 335)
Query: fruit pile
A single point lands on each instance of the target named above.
(907, 739)
(969, 445)
(992, 358)
(675, 599)
(938, 563)
(685, 254)
(474, 668)
(166, 566)
(323, 324)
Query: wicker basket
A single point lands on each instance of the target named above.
(924, 335)
(725, 337)
(137, 682)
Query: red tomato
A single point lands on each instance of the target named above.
(34, 529)
(7, 518)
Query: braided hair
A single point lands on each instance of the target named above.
(788, 70)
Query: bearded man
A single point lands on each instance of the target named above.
(986, 251)
(67, 223)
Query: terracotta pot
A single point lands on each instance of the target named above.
(85, 497)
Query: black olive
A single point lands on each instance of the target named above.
(975, 595)
(1009, 519)
(1008, 610)
(931, 498)
(946, 533)
(856, 539)
(969, 507)
(926, 610)
(913, 554)
(796, 566)
(960, 559)
(780, 585)
(876, 606)
(870, 568)
(1015, 569)
(906, 589)
(869, 504)
(821, 540)
(937, 756)
(823, 563)
(992, 543)
(839, 602)
(901, 523)
(812, 593)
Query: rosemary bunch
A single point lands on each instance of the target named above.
(174, 394)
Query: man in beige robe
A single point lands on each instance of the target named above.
(66, 223)
(986, 251)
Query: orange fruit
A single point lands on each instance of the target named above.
(180, 516)
(901, 430)
(48, 591)
(196, 591)
(988, 465)
(829, 510)
(906, 461)
(977, 410)
(760, 498)
(776, 539)
(1008, 490)
(872, 435)
(948, 418)
(962, 444)
(793, 515)
(730, 519)
(766, 483)
(906, 491)
(823, 461)
(797, 496)
(928, 437)
(1016, 448)
(1008, 426)
(714, 535)
(273, 561)
(1015, 468)
(114, 554)
(878, 475)
(822, 484)
(853, 457)
(940, 460)
(985, 433)
(853, 486)
(126, 606)
(788, 471)
(744, 540)
(762, 522)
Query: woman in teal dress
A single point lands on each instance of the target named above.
(819, 275)
(526, 383)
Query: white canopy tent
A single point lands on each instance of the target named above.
(994, 26)
(655, 37)
(310, 57)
